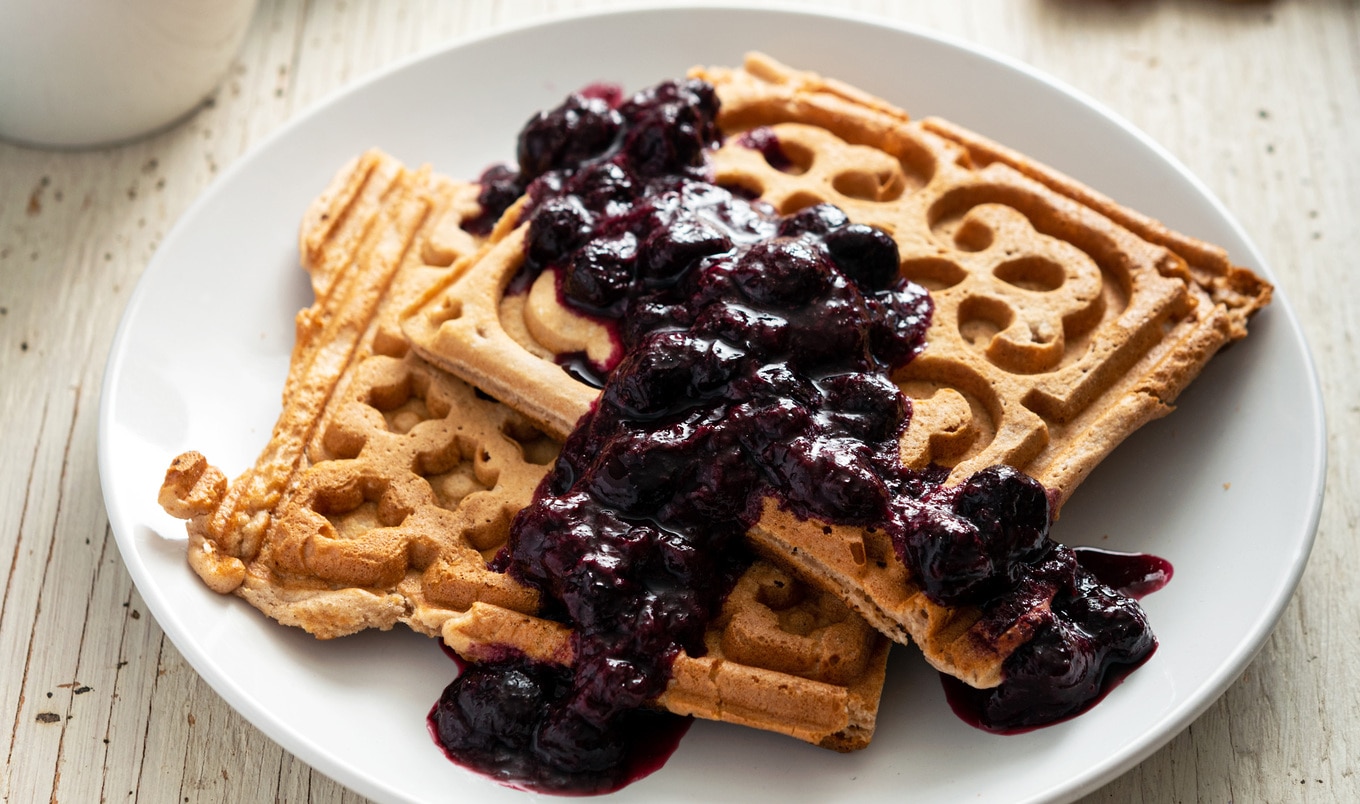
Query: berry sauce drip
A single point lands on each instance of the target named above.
(1134, 574)
(764, 140)
(1095, 635)
(754, 361)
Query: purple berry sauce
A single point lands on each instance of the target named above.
(1134, 574)
(490, 720)
(764, 140)
(756, 352)
(1093, 637)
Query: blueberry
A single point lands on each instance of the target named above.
(696, 95)
(866, 254)
(950, 559)
(597, 595)
(747, 219)
(600, 273)
(635, 472)
(578, 130)
(830, 476)
(662, 144)
(649, 314)
(901, 317)
(557, 228)
(1119, 623)
(653, 378)
(764, 140)
(549, 540)
(721, 484)
(681, 558)
(490, 705)
(1051, 676)
(572, 744)
(778, 380)
(784, 272)
(818, 219)
(671, 371)
(609, 682)
(754, 330)
(670, 126)
(1010, 510)
(981, 539)
(501, 186)
(867, 406)
(607, 187)
(671, 250)
(760, 424)
(838, 334)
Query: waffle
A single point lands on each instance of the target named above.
(1062, 323)
(387, 484)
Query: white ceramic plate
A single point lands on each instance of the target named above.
(1228, 488)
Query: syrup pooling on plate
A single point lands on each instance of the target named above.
(1134, 574)
(754, 360)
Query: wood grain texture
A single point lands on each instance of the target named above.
(1261, 100)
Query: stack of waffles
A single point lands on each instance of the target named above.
(425, 401)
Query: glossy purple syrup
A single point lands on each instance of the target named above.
(979, 708)
(1134, 574)
(486, 722)
(755, 354)
(764, 140)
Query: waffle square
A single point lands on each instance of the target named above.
(1062, 323)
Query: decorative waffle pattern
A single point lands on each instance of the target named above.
(1040, 305)
(421, 481)
(501, 342)
(785, 656)
(388, 483)
(1062, 321)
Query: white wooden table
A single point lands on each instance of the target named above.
(1260, 99)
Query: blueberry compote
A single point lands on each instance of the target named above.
(1091, 637)
(490, 720)
(753, 361)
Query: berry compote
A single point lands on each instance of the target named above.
(753, 362)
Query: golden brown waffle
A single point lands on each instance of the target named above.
(1062, 321)
(388, 483)
(506, 343)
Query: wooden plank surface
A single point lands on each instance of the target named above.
(1260, 99)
